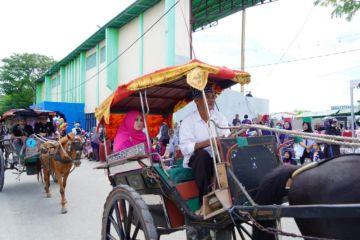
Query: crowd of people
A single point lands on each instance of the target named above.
(292, 149)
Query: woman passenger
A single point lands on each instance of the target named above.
(130, 132)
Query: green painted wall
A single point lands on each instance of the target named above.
(97, 74)
(170, 33)
(112, 51)
(39, 87)
(82, 76)
(47, 88)
(141, 44)
(62, 83)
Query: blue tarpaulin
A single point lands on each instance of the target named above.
(74, 112)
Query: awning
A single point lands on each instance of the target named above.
(318, 114)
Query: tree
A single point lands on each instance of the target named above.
(341, 7)
(18, 74)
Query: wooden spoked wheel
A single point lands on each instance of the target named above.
(126, 216)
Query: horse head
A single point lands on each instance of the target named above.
(72, 146)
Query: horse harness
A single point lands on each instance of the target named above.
(76, 144)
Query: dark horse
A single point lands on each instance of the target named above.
(335, 181)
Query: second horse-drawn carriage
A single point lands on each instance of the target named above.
(20, 147)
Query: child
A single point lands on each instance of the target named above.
(287, 158)
(156, 145)
(316, 154)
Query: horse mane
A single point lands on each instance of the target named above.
(272, 187)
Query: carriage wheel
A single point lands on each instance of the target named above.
(126, 216)
(2, 170)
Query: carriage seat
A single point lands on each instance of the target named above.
(177, 174)
(183, 179)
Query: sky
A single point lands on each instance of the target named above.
(298, 56)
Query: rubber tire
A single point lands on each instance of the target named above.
(141, 211)
(2, 170)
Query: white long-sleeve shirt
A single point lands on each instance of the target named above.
(194, 130)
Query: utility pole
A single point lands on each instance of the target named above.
(353, 84)
(242, 63)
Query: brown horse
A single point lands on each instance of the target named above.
(60, 157)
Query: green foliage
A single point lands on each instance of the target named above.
(341, 7)
(18, 74)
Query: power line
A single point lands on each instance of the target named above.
(305, 58)
(123, 52)
(293, 40)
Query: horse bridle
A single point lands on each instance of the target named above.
(77, 145)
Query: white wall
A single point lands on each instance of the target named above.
(104, 91)
(129, 62)
(182, 37)
(90, 87)
(230, 103)
(154, 40)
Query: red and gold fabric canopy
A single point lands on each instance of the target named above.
(166, 91)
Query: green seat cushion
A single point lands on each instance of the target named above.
(180, 174)
(177, 174)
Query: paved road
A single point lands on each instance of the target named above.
(25, 213)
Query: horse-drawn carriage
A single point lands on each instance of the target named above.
(150, 199)
(20, 153)
(37, 152)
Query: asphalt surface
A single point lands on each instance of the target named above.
(25, 213)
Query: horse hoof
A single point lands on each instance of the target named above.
(48, 195)
(63, 210)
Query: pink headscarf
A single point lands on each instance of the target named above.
(127, 136)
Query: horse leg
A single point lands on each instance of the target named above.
(47, 183)
(46, 173)
(62, 192)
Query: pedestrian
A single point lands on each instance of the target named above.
(236, 121)
(306, 144)
(94, 138)
(246, 120)
(332, 150)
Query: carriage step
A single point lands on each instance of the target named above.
(216, 202)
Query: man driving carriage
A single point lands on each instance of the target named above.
(195, 142)
(43, 127)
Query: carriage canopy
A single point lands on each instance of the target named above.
(166, 91)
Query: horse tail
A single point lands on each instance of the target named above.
(271, 191)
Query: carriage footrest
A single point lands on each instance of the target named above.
(31, 169)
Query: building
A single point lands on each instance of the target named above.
(148, 35)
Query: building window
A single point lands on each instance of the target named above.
(90, 121)
(102, 54)
(91, 61)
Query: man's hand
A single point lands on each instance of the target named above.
(206, 143)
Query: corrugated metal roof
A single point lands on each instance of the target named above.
(205, 12)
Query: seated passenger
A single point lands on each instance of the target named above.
(43, 127)
(20, 132)
(130, 132)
